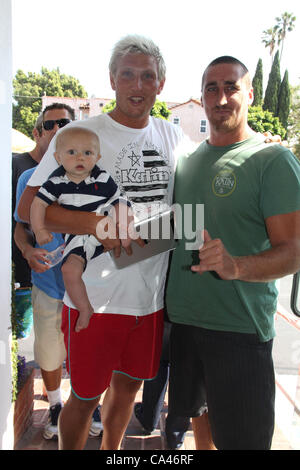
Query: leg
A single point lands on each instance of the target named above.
(202, 433)
(49, 348)
(240, 390)
(187, 395)
(93, 354)
(72, 271)
(117, 409)
(74, 422)
(89, 377)
(176, 427)
(49, 352)
(52, 379)
(44, 392)
(148, 412)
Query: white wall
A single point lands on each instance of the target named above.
(190, 114)
(6, 424)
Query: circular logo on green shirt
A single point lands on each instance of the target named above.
(224, 183)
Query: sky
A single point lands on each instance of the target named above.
(78, 36)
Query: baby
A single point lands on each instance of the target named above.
(78, 184)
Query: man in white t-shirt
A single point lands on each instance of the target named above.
(122, 345)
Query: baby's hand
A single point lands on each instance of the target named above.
(83, 320)
(43, 236)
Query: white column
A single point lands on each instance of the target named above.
(6, 420)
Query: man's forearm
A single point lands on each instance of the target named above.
(62, 220)
(23, 238)
(280, 260)
(35, 257)
(269, 265)
(26, 201)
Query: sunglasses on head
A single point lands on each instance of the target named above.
(49, 125)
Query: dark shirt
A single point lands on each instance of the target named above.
(20, 163)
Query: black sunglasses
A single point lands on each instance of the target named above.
(49, 125)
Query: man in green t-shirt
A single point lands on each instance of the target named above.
(222, 297)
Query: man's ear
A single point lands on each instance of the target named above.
(160, 86)
(112, 81)
(36, 134)
(250, 97)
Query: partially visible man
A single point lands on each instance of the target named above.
(21, 162)
(47, 294)
(124, 337)
(222, 308)
(47, 285)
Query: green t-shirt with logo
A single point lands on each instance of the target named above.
(240, 186)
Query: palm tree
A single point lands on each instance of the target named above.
(269, 39)
(285, 24)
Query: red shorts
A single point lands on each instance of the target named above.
(111, 343)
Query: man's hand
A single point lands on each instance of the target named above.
(106, 233)
(272, 139)
(120, 229)
(35, 257)
(214, 257)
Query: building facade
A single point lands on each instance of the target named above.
(192, 119)
(189, 115)
(84, 107)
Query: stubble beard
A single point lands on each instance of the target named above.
(227, 125)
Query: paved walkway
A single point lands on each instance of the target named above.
(133, 440)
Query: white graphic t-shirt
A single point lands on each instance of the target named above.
(142, 163)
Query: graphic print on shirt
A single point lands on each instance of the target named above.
(224, 183)
(143, 174)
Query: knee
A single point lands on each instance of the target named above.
(66, 270)
(82, 406)
(125, 386)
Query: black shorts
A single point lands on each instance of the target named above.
(233, 373)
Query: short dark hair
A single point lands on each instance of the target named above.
(225, 59)
(60, 106)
